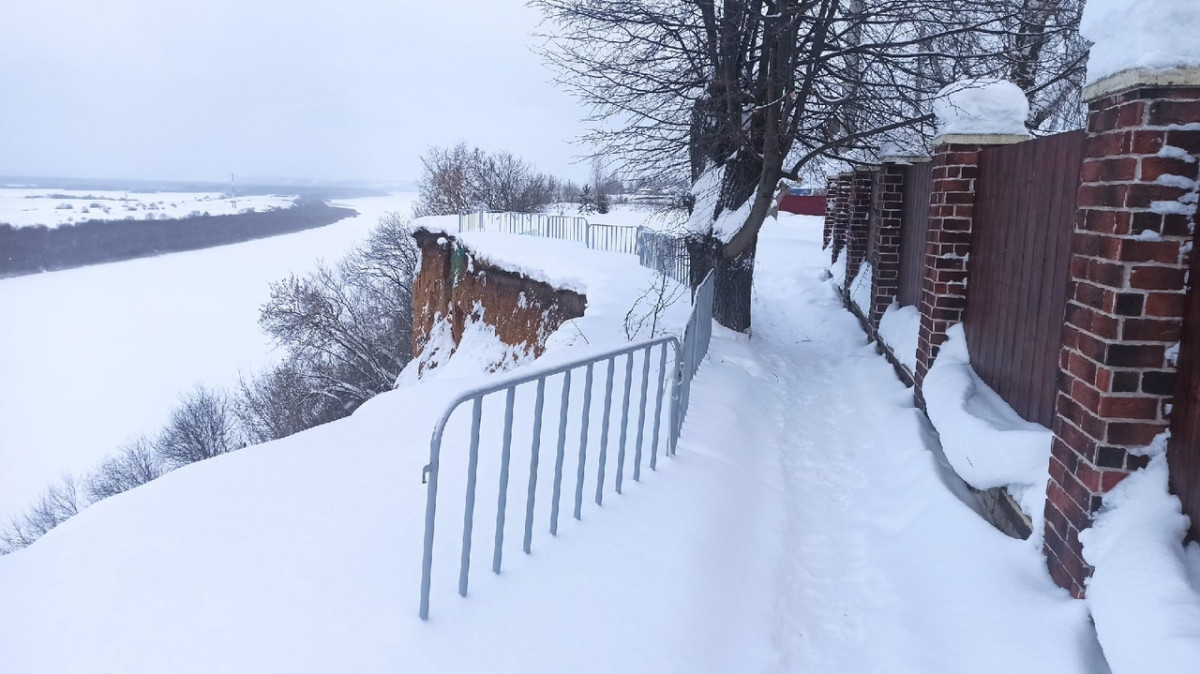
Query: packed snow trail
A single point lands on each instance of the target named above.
(882, 566)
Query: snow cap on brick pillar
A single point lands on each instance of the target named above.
(972, 115)
(1134, 224)
(858, 224)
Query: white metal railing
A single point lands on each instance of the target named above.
(675, 376)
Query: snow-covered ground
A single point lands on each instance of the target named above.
(629, 215)
(805, 525)
(95, 356)
(23, 207)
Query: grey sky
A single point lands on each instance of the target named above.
(326, 89)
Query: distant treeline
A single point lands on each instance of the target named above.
(27, 250)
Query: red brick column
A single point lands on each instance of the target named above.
(1125, 303)
(841, 219)
(858, 224)
(884, 248)
(831, 210)
(948, 243)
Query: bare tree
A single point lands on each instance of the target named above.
(60, 502)
(443, 188)
(278, 403)
(348, 329)
(739, 94)
(460, 179)
(203, 426)
(135, 464)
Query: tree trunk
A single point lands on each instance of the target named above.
(733, 281)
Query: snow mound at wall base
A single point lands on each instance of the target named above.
(900, 329)
(1145, 592)
(987, 443)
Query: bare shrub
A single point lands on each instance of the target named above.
(203, 426)
(60, 502)
(135, 464)
(647, 311)
(457, 179)
(277, 404)
(347, 329)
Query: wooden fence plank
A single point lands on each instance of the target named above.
(1183, 452)
(1020, 257)
(918, 180)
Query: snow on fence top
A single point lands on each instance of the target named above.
(981, 106)
(1149, 35)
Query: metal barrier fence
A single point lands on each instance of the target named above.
(569, 227)
(674, 377)
(664, 253)
(612, 238)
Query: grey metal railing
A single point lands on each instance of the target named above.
(597, 236)
(664, 253)
(675, 375)
(569, 227)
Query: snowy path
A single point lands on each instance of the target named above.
(881, 567)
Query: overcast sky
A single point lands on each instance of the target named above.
(320, 89)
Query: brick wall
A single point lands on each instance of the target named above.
(858, 222)
(450, 285)
(884, 248)
(841, 217)
(1125, 308)
(831, 210)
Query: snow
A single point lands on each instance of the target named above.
(807, 524)
(981, 106)
(837, 270)
(1150, 35)
(860, 288)
(26, 207)
(634, 215)
(1145, 592)
(707, 192)
(900, 329)
(988, 444)
(111, 347)
(553, 261)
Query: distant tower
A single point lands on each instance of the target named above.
(232, 186)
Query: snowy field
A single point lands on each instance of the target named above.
(21, 207)
(98, 355)
(806, 525)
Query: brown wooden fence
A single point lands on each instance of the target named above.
(1020, 259)
(1184, 451)
(918, 180)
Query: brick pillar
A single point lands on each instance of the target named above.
(837, 237)
(884, 249)
(831, 210)
(1125, 300)
(948, 243)
(858, 224)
